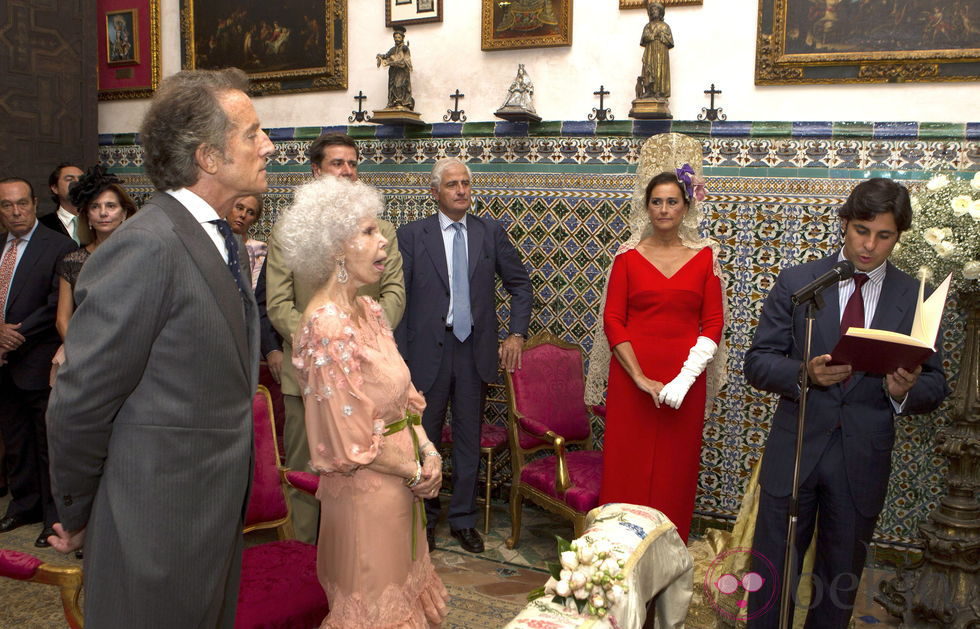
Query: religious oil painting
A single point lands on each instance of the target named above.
(121, 29)
(509, 24)
(129, 48)
(295, 46)
(853, 41)
(406, 12)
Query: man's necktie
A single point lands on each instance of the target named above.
(853, 316)
(7, 276)
(231, 244)
(462, 318)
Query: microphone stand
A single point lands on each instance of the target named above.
(786, 605)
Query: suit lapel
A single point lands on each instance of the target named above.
(212, 268)
(435, 247)
(27, 261)
(827, 323)
(476, 234)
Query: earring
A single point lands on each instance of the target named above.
(342, 275)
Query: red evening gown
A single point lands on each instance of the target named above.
(652, 455)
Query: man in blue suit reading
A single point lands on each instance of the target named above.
(448, 334)
(850, 418)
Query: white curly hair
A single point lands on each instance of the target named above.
(324, 215)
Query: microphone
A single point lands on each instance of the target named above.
(838, 273)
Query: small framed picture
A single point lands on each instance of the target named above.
(406, 12)
(122, 36)
(526, 24)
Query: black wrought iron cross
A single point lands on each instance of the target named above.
(712, 113)
(360, 115)
(601, 113)
(455, 114)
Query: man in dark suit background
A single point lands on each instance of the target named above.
(448, 335)
(29, 255)
(64, 218)
(850, 428)
(150, 422)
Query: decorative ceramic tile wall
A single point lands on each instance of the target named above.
(562, 189)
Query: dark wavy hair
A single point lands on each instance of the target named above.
(53, 180)
(662, 178)
(878, 196)
(319, 146)
(186, 112)
(89, 186)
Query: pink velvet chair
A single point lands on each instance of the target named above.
(546, 411)
(68, 579)
(279, 586)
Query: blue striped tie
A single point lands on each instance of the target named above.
(462, 318)
(231, 244)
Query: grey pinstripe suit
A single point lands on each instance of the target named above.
(150, 424)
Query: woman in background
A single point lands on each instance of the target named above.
(246, 212)
(363, 418)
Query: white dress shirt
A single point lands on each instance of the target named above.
(204, 214)
(70, 221)
(448, 233)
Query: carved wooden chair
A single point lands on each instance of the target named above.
(547, 411)
(68, 579)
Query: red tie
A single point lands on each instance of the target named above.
(853, 316)
(7, 275)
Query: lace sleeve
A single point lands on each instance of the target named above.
(342, 426)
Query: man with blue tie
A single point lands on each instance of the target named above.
(850, 415)
(448, 334)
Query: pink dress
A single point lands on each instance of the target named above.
(355, 384)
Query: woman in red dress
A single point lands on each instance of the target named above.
(663, 318)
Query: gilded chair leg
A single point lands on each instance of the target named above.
(516, 499)
(69, 602)
(486, 493)
(579, 525)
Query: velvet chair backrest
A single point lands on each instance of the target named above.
(550, 388)
(267, 504)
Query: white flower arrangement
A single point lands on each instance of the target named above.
(588, 578)
(945, 232)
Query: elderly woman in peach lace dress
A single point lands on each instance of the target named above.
(362, 419)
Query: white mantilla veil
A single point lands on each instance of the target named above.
(666, 152)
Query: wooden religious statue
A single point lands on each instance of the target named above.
(401, 104)
(653, 85)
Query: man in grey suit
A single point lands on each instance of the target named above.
(850, 421)
(448, 335)
(150, 421)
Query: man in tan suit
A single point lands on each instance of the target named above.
(337, 155)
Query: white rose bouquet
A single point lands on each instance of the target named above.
(588, 578)
(945, 233)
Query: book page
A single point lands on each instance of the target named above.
(929, 313)
(888, 337)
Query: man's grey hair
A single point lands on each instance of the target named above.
(436, 178)
(323, 217)
(185, 113)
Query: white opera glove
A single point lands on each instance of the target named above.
(701, 354)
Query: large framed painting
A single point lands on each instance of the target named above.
(526, 24)
(295, 46)
(841, 41)
(641, 4)
(406, 12)
(129, 48)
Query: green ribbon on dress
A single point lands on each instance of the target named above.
(418, 509)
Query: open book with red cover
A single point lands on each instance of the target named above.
(881, 351)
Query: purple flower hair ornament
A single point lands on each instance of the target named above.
(693, 185)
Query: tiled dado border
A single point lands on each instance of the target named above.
(563, 201)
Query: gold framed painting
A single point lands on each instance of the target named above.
(640, 4)
(832, 41)
(129, 48)
(510, 24)
(407, 12)
(295, 46)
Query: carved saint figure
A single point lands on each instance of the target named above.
(520, 91)
(399, 62)
(656, 40)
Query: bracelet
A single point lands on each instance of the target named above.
(432, 452)
(413, 481)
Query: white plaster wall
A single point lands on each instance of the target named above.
(715, 43)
